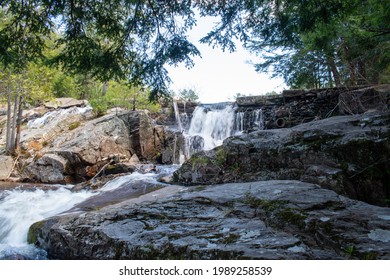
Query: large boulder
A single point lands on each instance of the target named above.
(349, 154)
(42, 130)
(258, 220)
(94, 141)
(50, 168)
(81, 151)
(87, 147)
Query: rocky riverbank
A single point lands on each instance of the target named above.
(258, 220)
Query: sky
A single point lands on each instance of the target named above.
(218, 76)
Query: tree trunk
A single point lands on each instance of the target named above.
(19, 122)
(134, 102)
(335, 72)
(347, 57)
(9, 116)
(104, 88)
(11, 147)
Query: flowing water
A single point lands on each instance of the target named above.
(20, 208)
(213, 123)
(56, 116)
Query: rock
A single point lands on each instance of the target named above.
(87, 145)
(119, 168)
(64, 103)
(3, 111)
(50, 168)
(146, 168)
(134, 160)
(364, 99)
(85, 149)
(94, 142)
(259, 101)
(172, 147)
(42, 131)
(257, 220)
(5, 167)
(349, 154)
(166, 179)
(146, 139)
(34, 113)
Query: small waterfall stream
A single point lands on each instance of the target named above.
(212, 123)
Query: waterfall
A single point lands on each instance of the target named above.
(249, 120)
(213, 123)
(177, 115)
(210, 125)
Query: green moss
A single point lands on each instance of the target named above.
(110, 167)
(371, 256)
(148, 227)
(33, 232)
(200, 188)
(231, 238)
(220, 157)
(292, 216)
(267, 205)
(198, 161)
(344, 166)
(349, 251)
(74, 125)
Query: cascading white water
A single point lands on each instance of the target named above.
(177, 115)
(213, 124)
(57, 115)
(239, 121)
(249, 120)
(21, 208)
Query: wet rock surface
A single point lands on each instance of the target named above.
(258, 220)
(348, 154)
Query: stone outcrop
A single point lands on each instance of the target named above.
(149, 141)
(67, 157)
(348, 154)
(65, 102)
(258, 220)
(72, 149)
